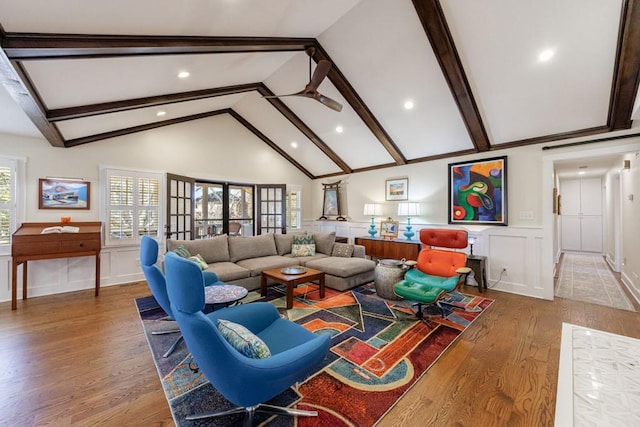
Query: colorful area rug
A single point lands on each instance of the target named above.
(587, 278)
(378, 351)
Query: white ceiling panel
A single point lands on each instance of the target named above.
(65, 83)
(76, 128)
(273, 18)
(261, 114)
(384, 52)
(520, 97)
(13, 120)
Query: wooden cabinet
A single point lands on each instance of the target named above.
(28, 244)
(390, 249)
(581, 214)
(478, 264)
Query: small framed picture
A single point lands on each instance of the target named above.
(63, 194)
(397, 189)
(389, 229)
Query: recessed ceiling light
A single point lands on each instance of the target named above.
(183, 74)
(545, 55)
(339, 129)
(581, 173)
(161, 113)
(294, 144)
(408, 105)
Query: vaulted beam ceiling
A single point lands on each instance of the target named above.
(19, 49)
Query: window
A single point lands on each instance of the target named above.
(7, 203)
(132, 206)
(294, 207)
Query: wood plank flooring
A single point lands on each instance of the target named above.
(74, 359)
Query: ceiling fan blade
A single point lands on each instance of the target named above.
(321, 71)
(283, 96)
(334, 105)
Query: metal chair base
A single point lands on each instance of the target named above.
(250, 411)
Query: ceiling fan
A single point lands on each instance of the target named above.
(311, 89)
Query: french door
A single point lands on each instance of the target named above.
(179, 207)
(272, 208)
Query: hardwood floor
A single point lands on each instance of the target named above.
(73, 359)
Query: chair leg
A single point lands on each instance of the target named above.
(173, 347)
(251, 410)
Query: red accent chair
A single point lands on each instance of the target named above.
(438, 270)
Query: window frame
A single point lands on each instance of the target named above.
(291, 211)
(14, 205)
(106, 173)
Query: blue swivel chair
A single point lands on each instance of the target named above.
(246, 382)
(157, 284)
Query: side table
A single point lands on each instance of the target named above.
(223, 294)
(478, 264)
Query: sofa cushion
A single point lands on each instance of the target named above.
(228, 271)
(284, 241)
(303, 260)
(212, 250)
(257, 265)
(342, 267)
(182, 251)
(343, 250)
(303, 250)
(324, 242)
(303, 240)
(200, 261)
(251, 247)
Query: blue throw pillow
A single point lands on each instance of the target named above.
(243, 340)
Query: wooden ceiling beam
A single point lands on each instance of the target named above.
(351, 96)
(36, 46)
(17, 83)
(151, 101)
(626, 73)
(435, 26)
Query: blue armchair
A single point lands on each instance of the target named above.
(157, 284)
(247, 382)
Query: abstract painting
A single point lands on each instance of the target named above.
(478, 192)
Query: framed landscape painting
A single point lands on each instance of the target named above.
(478, 192)
(63, 194)
(397, 189)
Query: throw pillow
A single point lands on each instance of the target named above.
(303, 250)
(182, 251)
(324, 242)
(243, 340)
(200, 261)
(342, 250)
(303, 240)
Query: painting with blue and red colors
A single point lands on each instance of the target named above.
(478, 192)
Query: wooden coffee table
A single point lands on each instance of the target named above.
(291, 281)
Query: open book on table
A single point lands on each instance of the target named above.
(60, 229)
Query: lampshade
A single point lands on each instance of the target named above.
(372, 209)
(408, 209)
(471, 240)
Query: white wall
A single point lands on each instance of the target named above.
(630, 205)
(518, 247)
(216, 148)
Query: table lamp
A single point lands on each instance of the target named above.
(408, 209)
(471, 240)
(373, 209)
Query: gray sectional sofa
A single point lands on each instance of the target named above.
(241, 260)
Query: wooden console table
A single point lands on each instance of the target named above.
(377, 247)
(28, 244)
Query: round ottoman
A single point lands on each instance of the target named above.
(389, 272)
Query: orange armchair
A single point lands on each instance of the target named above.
(437, 271)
